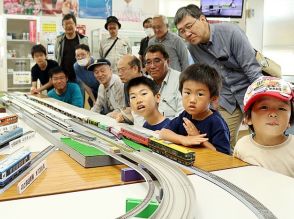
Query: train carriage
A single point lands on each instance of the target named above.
(173, 151)
(135, 136)
(13, 165)
(6, 120)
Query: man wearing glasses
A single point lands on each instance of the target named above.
(173, 44)
(157, 65)
(225, 47)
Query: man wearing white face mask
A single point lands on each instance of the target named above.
(85, 78)
(147, 24)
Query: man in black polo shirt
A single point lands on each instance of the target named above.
(41, 69)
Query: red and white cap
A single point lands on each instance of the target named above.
(268, 86)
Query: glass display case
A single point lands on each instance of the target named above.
(20, 34)
(133, 36)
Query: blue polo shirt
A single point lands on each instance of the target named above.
(214, 126)
(72, 95)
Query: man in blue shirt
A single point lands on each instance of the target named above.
(225, 47)
(85, 78)
(63, 90)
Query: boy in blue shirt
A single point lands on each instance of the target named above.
(144, 99)
(63, 90)
(198, 124)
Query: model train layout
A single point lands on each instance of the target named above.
(54, 121)
(167, 149)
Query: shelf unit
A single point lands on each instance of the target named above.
(19, 35)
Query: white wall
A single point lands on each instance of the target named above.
(278, 22)
(254, 16)
(278, 36)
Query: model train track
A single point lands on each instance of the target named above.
(254, 205)
(179, 197)
(54, 139)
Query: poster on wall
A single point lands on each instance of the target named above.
(25, 7)
(132, 10)
(60, 7)
(95, 8)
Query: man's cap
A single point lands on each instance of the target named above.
(112, 19)
(268, 86)
(98, 62)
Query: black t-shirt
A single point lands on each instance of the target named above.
(43, 76)
(69, 58)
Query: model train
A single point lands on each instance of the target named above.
(6, 120)
(10, 135)
(13, 165)
(170, 150)
(165, 148)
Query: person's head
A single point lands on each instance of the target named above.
(39, 54)
(199, 85)
(69, 24)
(59, 79)
(160, 26)
(144, 96)
(112, 25)
(102, 71)
(268, 106)
(192, 24)
(156, 62)
(129, 66)
(147, 24)
(82, 54)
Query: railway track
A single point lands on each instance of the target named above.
(178, 199)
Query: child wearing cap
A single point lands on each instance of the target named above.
(198, 124)
(268, 107)
(110, 96)
(144, 99)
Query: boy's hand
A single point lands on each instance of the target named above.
(190, 127)
(189, 141)
(34, 90)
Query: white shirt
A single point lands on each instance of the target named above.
(170, 104)
(278, 158)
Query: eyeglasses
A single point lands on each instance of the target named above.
(186, 28)
(124, 69)
(155, 61)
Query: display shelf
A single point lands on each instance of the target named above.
(19, 34)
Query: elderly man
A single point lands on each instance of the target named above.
(111, 90)
(113, 47)
(174, 45)
(129, 67)
(157, 65)
(65, 45)
(225, 47)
